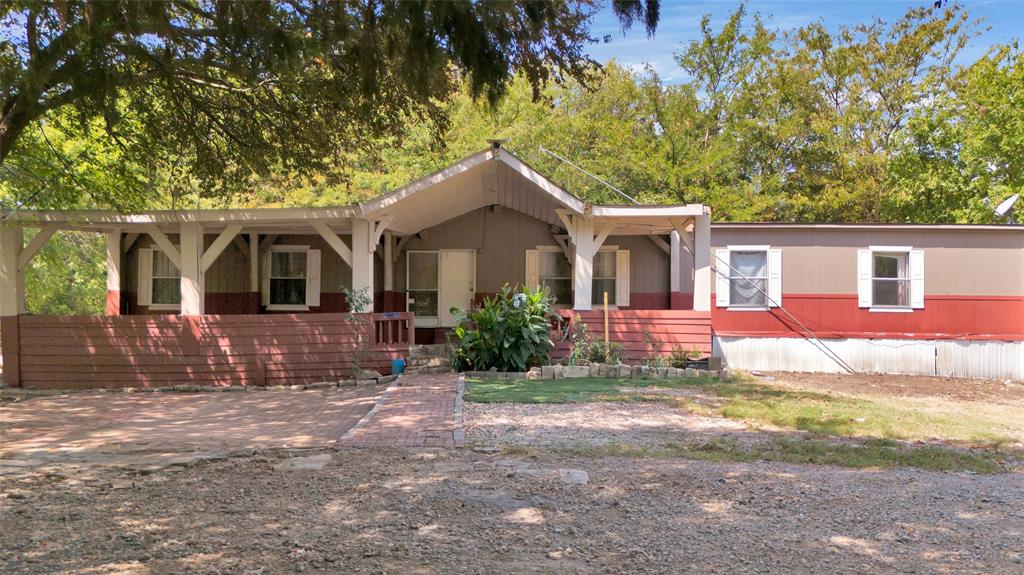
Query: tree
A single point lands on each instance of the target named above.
(230, 89)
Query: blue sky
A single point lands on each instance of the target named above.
(680, 23)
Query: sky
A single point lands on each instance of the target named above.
(680, 23)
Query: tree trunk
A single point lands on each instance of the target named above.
(17, 115)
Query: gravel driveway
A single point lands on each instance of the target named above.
(379, 511)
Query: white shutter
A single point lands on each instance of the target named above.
(917, 279)
(313, 278)
(775, 277)
(864, 262)
(722, 278)
(622, 278)
(265, 279)
(532, 269)
(145, 277)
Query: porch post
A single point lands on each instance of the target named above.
(362, 257)
(114, 272)
(11, 300)
(675, 262)
(191, 272)
(583, 268)
(702, 263)
(389, 264)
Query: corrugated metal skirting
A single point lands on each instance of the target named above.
(946, 358)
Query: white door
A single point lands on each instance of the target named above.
(457, 283)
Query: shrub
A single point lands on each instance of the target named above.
(587, 350)
(679, 356)
(509, 332)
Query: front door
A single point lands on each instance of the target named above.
(458, 283)
(438, 280)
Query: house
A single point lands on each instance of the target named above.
(257, 296)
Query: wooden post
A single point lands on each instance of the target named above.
(583, 270)
(606, 341)
(389, 264)
(362, 257)
(191, 270)
(114, 272)
(11, 304)
(702, 263)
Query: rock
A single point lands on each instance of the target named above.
(725, 374)
(361, 373)
(535, 373)
(689, 372)
(559, 371)
(647, 372)
(594, 370)
(573, 476)
(360, 382)
(387, 379)
(487, 450)
(547, 372)
(636, 371)
(577, 371)
(662, 372)
(625, 371)
(309, 463)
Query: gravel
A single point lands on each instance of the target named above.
(380, 511)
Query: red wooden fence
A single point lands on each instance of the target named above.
(666, 329)
(166, 350)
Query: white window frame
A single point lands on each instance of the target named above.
(150, 277)
(425, 320)
(621, 279)
(269, 277)
(725, 277)
(915, 278)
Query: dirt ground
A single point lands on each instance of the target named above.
(381, 511)
(902, 385)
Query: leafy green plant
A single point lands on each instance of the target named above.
(679, 356)
(585, 349)
(652, 350)
(510, 331)
(359, 303)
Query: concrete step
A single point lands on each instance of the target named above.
(434, 350)
(429, 362)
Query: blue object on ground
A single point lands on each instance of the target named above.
(397, 366)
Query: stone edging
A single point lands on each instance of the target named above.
(620, 371)
(32, 392)
(459, 430)
(365, 420)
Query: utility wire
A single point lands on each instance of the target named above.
(592, 175)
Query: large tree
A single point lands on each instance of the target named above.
(213, 91)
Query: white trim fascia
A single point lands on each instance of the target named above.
(748, 308)
(100, 218)
(742, 248)
(686, 210)
(897, 249)
(287, 307)
(370, 207)
(900, 309)
(554, 190)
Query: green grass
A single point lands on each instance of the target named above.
(870, 454)
(760, 405)
(562, 390)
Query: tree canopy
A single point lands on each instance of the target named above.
(210, 92)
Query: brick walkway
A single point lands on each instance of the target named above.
(81, 424)
(425, 410)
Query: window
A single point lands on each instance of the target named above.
(291, 278)
(547, 267)
(287, 278)
(890, 278)
(166, 281)
(556, 275)
(422, 281)
(159, 281)
(604, 277)
(748, 277)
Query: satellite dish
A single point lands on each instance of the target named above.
(1004, 209)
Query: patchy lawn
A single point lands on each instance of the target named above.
(776, 422)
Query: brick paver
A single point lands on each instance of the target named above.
(81, 423)
(424, 410)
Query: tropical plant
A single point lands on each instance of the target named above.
(509, 331)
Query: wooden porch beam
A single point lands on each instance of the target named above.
(128, 242)
(218, 245)
(266, 242)
(378, 230)
(336, 243)
(45, 233)
(398, 248)
(601, 237)
(660, 243)
(164, 243)
(686, 237)
(242, 245)
(567, 220)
